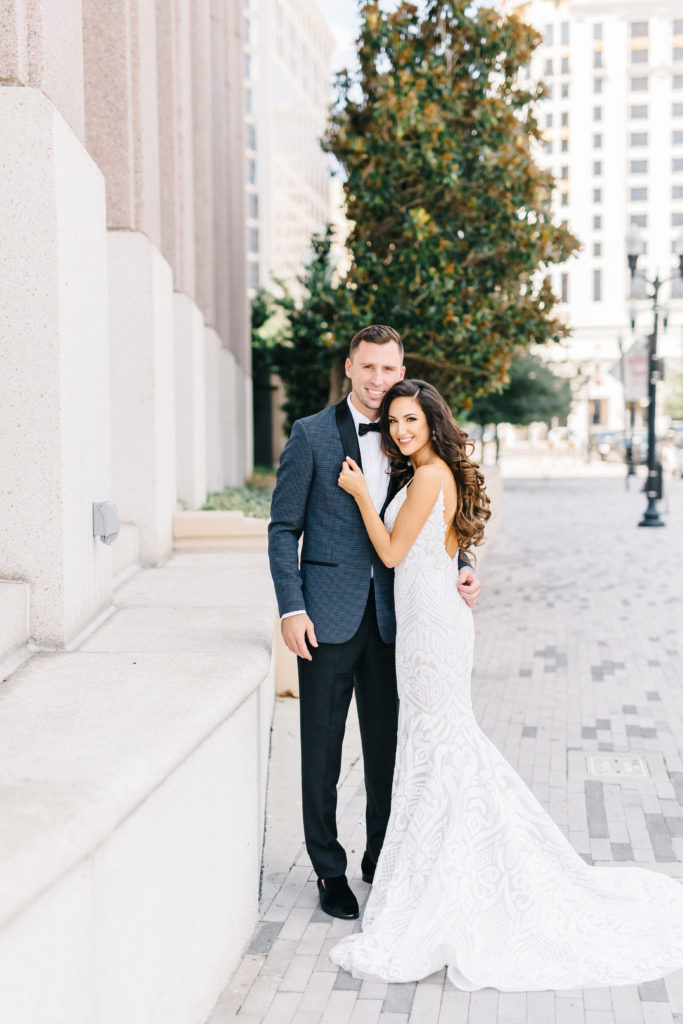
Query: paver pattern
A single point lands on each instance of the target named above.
(579, 682)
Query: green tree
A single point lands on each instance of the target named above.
(300, 339)
(452, 219)
(533, 394)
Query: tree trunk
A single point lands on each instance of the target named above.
(337, 378)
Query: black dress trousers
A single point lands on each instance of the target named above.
(325, 687)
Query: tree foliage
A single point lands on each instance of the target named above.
(452, 220)
(296, 338)
(533, 394)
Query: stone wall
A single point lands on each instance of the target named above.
(124, 328)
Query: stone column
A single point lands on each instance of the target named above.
(122, 132)
(54, 368)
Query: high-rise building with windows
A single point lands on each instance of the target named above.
(288, 49)
(613, 140)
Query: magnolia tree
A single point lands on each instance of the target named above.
(452, 220)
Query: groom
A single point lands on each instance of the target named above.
(337, 608)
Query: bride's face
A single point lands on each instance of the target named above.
(408, 426)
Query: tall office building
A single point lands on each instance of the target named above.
(613, 130)
(288, 48)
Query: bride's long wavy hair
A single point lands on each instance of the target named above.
(451, 444)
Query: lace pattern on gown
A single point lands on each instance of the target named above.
(473, 873)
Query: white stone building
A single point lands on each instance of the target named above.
(613, 128)
(288, 48)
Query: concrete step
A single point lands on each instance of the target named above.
(132, 793)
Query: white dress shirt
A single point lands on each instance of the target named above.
(375, 462)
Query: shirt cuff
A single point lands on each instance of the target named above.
(288, 615)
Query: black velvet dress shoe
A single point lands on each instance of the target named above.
(336, 898)
(367, 868)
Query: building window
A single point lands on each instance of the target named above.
(597, 168)
(677, 53)
(597, 140)
(638, 139)
(564, 173)
(597, 30)
(252, 205)
(251, 136)
(253, 239)
(638, 195)
(638, 29)
(638, 111)
(564, 201)
(639, 84)
(548, 146)
(597, 248)
(548, 67)
(564, 66)
(548, 91)
(676, 220)
(677, 82)
(639, 56)
(597, 222)
(564, 146)
(678, 26)
(548, 35)
(564, 33)
(677, 138)
(564, 91)
(638, 167)
(597, 113)
(677, 109)
(548, 120)
(597, 195)
(564, 118)
(253, 274)
(247, 65)
(251, 171)
(564, 287)
(597, 58)
(597, 85)
(677, 164)
(249, 101)
(677, 191)
(638, 220)
(597, 286)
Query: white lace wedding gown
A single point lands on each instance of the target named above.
(473, 872)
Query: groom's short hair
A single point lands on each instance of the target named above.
(378, 334)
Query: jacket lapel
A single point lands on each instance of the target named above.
(347, 431)
(391, 492)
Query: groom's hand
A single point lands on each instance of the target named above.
(295, 629)
(469, 586)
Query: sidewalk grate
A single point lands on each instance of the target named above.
(624, 767)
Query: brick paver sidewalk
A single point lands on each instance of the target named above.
(578, 682)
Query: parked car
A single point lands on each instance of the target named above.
(611, 445)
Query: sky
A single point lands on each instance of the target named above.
(341, 17)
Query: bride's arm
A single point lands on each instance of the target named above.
(422, 493)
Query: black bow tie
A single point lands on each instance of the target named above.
(364, 428)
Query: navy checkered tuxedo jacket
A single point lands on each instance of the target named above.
(333, 580)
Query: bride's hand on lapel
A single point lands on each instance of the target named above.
(351, 478)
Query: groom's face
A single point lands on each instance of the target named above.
(372, 370)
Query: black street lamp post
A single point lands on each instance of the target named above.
(635, 247)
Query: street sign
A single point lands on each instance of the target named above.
(633, 372)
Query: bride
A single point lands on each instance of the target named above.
(473, 873)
